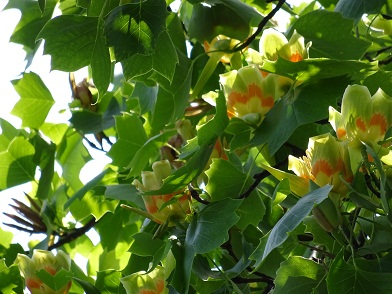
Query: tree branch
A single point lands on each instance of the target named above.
(73, 235)
(260, 27)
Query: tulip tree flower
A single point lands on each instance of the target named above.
(363, 118)
(273, 44)
(248, 94)
(325, 162)
(146, 283)
(162, 208)
(43, 260)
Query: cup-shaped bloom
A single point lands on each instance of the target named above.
(273, 44)
(249, 95)
(363, 117)
(45, 260)
(325, 162)
(146, 283)
(163, 208)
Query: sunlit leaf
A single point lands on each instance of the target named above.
(298, 275)
(72, 155)
(16, 163)
(35, 100)
(338, 43)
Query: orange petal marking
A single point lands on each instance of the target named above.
(268, 102)
(322, 166)
(341, 133)
(360, 124)
(147, 291)
(32, 283)
(379, 120)
(160, 286)
(296, 57)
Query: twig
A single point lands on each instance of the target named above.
(260, 27)
(258, 178)
(196, 195)
(74, 235)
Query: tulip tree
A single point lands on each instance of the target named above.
(246, 157)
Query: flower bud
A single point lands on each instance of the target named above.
(157, 205)
(248, 92)
(146, 283)
(326, 160)
(273, 44)
(363, 117)
(45, 260)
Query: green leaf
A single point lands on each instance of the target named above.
(187, 173)
(277, 128)
(147, 96)
(55, 131)
(346, 278)
(10, 279)
(314, 69)
(134, 28)
(75, 41)
(254, 204)
(128, 143)
(44, 157)
(108, 281)
(338, 43)
(16, 163)
(91, 122)
(298, 275)
(380, 79)
(356, 8)
(145, 245)
(35, 100)
(160, 63)
(225, 180)
(56, 282)
(72, 155)
(89, 288)
(208, 230)
(288, 223)
(31, 22)
(208, 22)
(8, 132)
(209, 132)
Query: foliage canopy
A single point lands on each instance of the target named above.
(243, 159)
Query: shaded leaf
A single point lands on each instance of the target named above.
(288, 223)
(134, 28)
(356, 8)
(277, 128)
(31, 22)
(159, 63)
(346, 278)
(208, 230)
